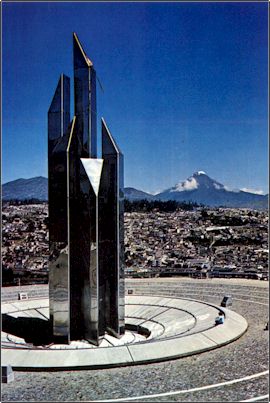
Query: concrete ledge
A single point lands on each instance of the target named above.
(178, 338)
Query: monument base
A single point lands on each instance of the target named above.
(172, 327)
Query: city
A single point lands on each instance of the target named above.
(212, 242)
(135, 201)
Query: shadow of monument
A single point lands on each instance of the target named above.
(33, 330)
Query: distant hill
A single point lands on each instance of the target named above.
(21, 189)
(134, 194)
(199, 188)
(37, 188)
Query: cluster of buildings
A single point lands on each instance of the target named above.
(25, 243)
(199, 243)
(217, 242)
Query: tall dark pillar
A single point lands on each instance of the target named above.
(58, 134)
(111, 235)
(85, 99)
(88, 250)
(86, 279)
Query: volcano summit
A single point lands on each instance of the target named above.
(200, 188)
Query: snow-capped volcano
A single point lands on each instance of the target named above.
(197, 180)
(200, 188)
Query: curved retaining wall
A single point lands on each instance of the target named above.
(33, 291)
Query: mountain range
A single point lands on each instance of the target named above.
(199, 188)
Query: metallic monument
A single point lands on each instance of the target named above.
(86, 217)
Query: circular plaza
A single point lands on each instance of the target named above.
(171, 334)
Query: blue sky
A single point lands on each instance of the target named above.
(185, 86)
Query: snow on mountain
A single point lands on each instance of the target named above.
(255, 191)
(198, 180)
(200, 188)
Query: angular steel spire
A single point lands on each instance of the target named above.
(85, 99)
(111, 234)
(109, 145)
(59, 228)
(59, 111)
(79, 54)
(86, 267)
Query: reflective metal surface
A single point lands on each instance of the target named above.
(90, 171)
(58, 119)
(86, 224)
(85, 99)
(59, 291)
(73, 149)
(111, 235)
(59, 112)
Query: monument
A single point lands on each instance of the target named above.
(86, 214)
(86, 265)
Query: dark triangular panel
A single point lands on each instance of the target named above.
(109, 145)
(59, 111)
